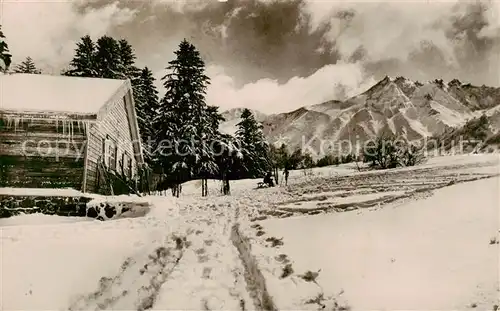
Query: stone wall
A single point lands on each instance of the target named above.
(103, 209)
(62, 206)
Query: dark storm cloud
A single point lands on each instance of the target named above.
(251, 39)
(255, 39)
(475, 53)
(274, 40)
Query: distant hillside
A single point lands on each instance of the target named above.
(393, 105)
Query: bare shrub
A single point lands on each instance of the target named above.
(260, 233)
(282, 258)
(310, 276)
(275, 241)
(383, 153)
(320, 300)
(412, 155)
(287, 271)
(387, 151)
(307, 171)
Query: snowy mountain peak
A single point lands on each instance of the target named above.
(388, 79)
(381, 84)
(455, 83)
(392, 105)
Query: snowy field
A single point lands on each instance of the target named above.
(421, 238)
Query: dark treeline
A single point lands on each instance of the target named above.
(179, 131)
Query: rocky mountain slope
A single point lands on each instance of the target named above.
(393, 105)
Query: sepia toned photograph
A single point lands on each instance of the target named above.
(267, 155)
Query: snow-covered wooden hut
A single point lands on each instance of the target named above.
(60, 132)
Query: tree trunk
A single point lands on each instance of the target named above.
(176, 189)
(204, 187)
(146, 181)
(225, 185)
(227, 189)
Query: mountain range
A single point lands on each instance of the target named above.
(398, 106)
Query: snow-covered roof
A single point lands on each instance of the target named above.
(46, 93)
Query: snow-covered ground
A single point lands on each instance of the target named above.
(431, 254)
(412, 238)
(122, 264)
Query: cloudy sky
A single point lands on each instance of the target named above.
(275, 55)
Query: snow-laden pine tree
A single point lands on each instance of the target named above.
(84, 63)
(254, 146)
(107, 58)
(183, 129)
(27, 66)
(146, 104)
(143, 90)
(108, 62)
(209, 131)
(5, 56)
(229, 159)
(127, 61)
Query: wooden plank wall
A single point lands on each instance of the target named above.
(94, 152)
(40, 172)
(41, 153)
(112, 122)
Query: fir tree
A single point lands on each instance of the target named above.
(108, 60)
(278, 159)
(143, 90)
(146, 103)
(308, 161)
(127, 61)
(284, 157)
(229, 158)
(5, 57)
(213, 120)
(209, 129)
(181, 124)
(27, 66)
(254, 146)
(84, 63)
